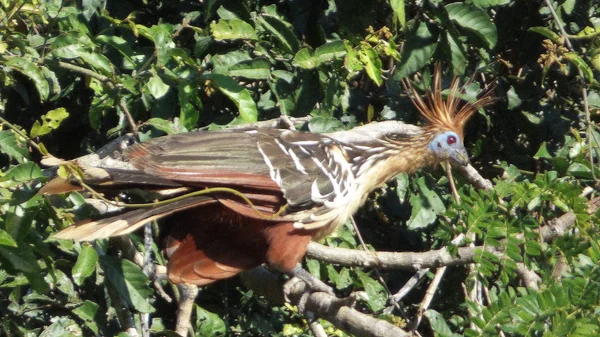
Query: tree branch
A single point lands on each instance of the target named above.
(335, 310)
(433, 258)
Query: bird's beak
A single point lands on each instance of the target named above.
(460, 156)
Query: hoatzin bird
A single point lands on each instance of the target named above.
(271, 190)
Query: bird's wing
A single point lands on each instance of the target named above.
(309, 169)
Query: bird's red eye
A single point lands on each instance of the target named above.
(451, 140)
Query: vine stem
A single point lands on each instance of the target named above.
(41, 149)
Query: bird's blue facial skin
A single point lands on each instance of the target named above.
(448, 145)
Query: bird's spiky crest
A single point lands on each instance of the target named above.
(445, 115)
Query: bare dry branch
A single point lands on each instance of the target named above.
(433, 258)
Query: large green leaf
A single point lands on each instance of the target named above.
(282, 31)
(238, 94)
(257, 69)
(375, 291)
(9, 146)
(128, 281)
(233, 29)
(325, 53)
(209, 324)
(418, 49)
(475, 20)
(33, 72)
(62, 326)
(85, 265)
(190, 105)
(426, 205)
(163, 42)
(90, 313)
(398, 6)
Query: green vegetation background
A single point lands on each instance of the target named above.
(69, 70)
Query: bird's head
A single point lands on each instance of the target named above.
(448, 146)
(446, 118)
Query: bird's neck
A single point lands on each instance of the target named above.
(378, 164)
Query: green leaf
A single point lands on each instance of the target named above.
(209, 324)
(233, 29)
(62, 282)
(325, 53)
(129, 282)
(418, 49)
(163, 42)
(21, 259)
(282, 31)
(63, 327)
(475, 20)
(459, 59)
(164, 125)
(321, 124)
(490, 3)
(439, 325)
(425, 206)
(190, 105)
(546, 32)
(156, 87)
(9, 146)
(257, 69)
(22, 173)
(85, 265)
(33, 72)
(89, 313)
(99, 62)
(580, 63)
(90, 7)
(399, 11)
(580, 170)
(376, 293)
(305, 59)
(372, 62)
(50, 121)
(238, 94)
(331, 51)
(119, 43)
(6, 239)
(542, 152)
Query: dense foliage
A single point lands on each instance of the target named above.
(72, 72)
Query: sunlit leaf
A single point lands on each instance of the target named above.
(233, 29)
(85, 265)
(238, 94)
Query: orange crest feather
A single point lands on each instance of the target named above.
(443, 114)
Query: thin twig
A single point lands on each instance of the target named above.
(410, 285)
(439, 273)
